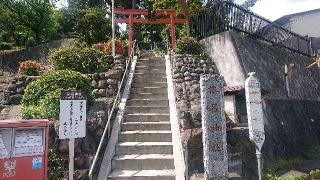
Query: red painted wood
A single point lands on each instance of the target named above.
(143, 12)
(131, 20)
(172, 26)
(130, 33)
(156, 21)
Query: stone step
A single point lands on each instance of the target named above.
(150, 71)
(148, 84)
(146, 117)
(147, 75)
(149, 79)
(132, 126)
(142, 175)
(149, 90)
(143, 162)
(162, 96)
(151, 62)
(144, 148)
(135, 102)
(147, 109)
(145, 136)
(151, 67)
(152, 59)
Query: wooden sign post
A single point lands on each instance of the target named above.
(72, 121)
(255, 115)
(214, 127)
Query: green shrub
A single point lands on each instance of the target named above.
(84, 60)
(41, 98)
(189, 45)
(5, 46)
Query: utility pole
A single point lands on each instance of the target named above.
(113, 30)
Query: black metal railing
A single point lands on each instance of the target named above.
(227, 16)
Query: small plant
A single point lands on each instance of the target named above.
(83, 60)
(29, 68)
(271, 171)
(56, 165)
(41, 98)
(5, 46)
(107, 47)
(189, 45)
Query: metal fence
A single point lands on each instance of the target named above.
(226, 16)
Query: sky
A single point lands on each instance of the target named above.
(274, 9)
(271, 9)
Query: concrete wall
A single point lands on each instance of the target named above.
(10, 62)
(292, 125)
(230, 107)
(236, 55)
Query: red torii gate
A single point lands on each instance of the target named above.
(131, 20)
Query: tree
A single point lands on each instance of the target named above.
(93, 26)
(249, 3)
(35, 17)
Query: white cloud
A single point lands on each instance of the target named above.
(274, 9)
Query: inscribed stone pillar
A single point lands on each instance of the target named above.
(214, 127)
(254, 111)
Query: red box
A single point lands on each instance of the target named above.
(24, 149)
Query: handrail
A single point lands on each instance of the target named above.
(107, 130)
(226, 16)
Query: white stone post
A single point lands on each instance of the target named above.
(214, 128)
(255, 115)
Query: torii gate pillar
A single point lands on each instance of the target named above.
(131, 20)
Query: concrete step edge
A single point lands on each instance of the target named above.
(142, 173)
(143, 157)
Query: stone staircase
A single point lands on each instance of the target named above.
(144, 150)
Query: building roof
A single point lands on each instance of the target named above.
(285, 19)
(233, 89)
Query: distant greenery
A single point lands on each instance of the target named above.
(41, 97)
(27, 22)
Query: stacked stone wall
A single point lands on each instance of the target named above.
(104, 84)
(187, 70)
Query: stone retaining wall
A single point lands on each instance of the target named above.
(186, 77)
(85, 148)
(104, 84)
(187, 70)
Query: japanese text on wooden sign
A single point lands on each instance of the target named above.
(254, 111)
(72, 115)
(214, 127)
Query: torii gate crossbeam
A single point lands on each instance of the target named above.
(131, 20)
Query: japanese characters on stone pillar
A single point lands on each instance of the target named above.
(254, 111)
(255, 115)
(214, 127)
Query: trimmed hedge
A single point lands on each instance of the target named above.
(84, 60)
(41, 97)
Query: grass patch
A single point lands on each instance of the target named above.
(271, 172)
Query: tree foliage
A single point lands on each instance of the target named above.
(93, 26)
(28, 22)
